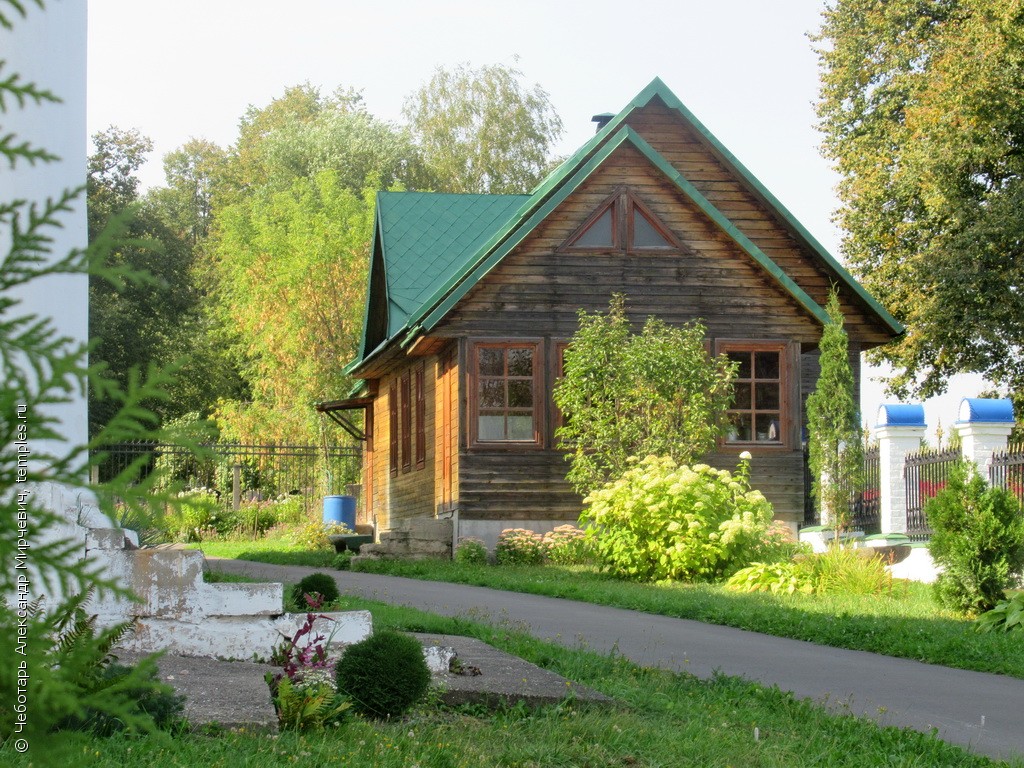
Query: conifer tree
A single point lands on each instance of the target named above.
(836, 452)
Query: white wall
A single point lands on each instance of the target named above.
(49, 49)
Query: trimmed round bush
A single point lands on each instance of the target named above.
(383, 675)
(321, 583)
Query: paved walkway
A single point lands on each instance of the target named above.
(981, 711)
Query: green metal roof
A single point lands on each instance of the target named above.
(427, 236)
(436, 247)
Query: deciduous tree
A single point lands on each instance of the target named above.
(922, 108)
(626, 395)
(482, 130)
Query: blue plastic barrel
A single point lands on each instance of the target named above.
(341, 510)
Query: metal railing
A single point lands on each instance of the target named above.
(925, 473)
(1006, 470)
(866, 507)
(236, 472)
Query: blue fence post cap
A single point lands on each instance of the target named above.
(909, 415)
(985, 410)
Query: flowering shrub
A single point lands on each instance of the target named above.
(661, 520)
(305, 693)
(518, 546)
(312, 534)
(471, 551)
(569, 545)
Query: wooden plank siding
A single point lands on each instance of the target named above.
(407, 494)
(536, 291)
(689, 153)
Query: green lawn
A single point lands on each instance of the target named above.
(279, 551)
(905, 622)
(662, 719)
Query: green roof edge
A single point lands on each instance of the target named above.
(658, 88)
(378, 231)
(461, 285)
(553, 189)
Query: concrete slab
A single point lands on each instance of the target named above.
(492, 677)
(234, 694)
(231, 694)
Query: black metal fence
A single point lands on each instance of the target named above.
(1007, 470)
(866, 507)
(925, 473)
(237, 473)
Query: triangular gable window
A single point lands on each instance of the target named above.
(600, 233)
(622, 224)
(645, 233)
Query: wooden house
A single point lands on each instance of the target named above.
(472, 299)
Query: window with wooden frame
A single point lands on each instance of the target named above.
(622, 224)
(405, 390)
(421, 418)
(505, 393)
(393, 428)
(759, 415)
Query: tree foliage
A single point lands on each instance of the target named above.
(833, 424)
(157, 319)
(289, 251)
(629, 395)
(922, 108)
(482, 130)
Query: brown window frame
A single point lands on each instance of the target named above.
(405, 430)
(785, 409)
(537, 388)
(421, 417)
(393, 428)
(623, 203)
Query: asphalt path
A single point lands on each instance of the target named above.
(980, 711)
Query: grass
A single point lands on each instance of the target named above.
(277, 551)
(905, 622)
(663, 719)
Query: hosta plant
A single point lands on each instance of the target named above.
(1006, 616)
(776, 578)
(662, 520)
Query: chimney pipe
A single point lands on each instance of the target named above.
(602, 120)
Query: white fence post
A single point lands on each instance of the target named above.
(984, 426)
(899, 431)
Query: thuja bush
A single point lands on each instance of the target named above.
(519, 546)
(662, 520)
(321, 584)
(977, 539)
(384, 675)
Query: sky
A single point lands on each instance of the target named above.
(178, 69)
